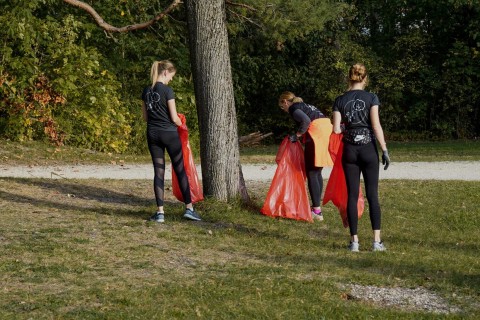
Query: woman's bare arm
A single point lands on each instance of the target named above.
(337, 118)
(377, 127)
(173, 112)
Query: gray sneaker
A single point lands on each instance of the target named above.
(378, 246)
(158, 217)
(192, 215)
(354, 246)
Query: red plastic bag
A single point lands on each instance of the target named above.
(336, 190)
(287, 196)
(196, 191)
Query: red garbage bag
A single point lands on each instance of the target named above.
(287, 196)
(336, 190)
(196, 191)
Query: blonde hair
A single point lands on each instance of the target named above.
(357, 73)
(290, 96)
(158, 67)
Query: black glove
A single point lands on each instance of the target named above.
(293, 138)
(385, 159)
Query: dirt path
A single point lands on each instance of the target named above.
(455, 170)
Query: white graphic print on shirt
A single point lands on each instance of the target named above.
(152, 97)
(356, 111)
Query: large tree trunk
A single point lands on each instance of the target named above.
(210, 59)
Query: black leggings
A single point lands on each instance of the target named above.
(356, 160)
(158, 140)
(314, 174)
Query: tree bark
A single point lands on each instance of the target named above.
(210, 60)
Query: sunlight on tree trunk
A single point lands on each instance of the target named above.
(210, 60)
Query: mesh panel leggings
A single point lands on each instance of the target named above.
(314, 174)
(356, 160)
(158, 141)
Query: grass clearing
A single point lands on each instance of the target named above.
(38, 153)
(76, 249)
(412, 151)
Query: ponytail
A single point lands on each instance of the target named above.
(158, 67)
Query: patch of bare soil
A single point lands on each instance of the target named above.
(418, 299)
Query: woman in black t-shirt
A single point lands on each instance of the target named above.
(357, 109)
(160, 113)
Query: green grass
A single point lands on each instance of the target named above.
(38, 153)
(81, 249)
(460, 150)
(414, 151)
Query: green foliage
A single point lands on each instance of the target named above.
(51, 80)
(311, 62)
(129, 56)
(63, 79)
(423, 60)
(90, 82)
(428, 55)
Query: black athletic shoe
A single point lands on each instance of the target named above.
(192, 215)
(158, 217)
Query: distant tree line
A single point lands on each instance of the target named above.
(65, 80)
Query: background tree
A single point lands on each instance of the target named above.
(210, 59)
(48, 77)
(64, 79)
(428, 58)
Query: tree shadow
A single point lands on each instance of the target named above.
(86, 191)
(80, 197)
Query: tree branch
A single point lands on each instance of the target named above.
(240, 5)
(245, 18)
(108, 27)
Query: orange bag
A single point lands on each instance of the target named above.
(196, 191)
(287, 196)
(336, 190)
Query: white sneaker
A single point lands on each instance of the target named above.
(378, 246)
(354, 246)
(158, 217)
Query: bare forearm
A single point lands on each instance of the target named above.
(336, 122)
(378, 131)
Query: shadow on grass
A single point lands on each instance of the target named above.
(86, 191)
(329, 254)
(79, 197)
(447, 244)
(12, 197)
(282, 242)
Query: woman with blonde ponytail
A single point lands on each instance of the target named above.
(160, 113)
(316, 129)
(357, 109)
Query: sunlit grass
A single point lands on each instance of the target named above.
(83, 249)
(38, 153)
(414, 151)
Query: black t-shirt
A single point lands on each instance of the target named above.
(303, 114)
(157, 109)
(354, 106)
